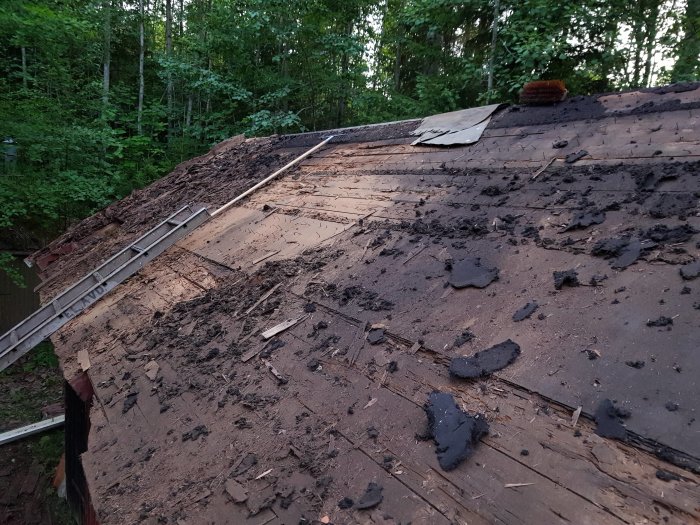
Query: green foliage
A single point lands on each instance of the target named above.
(271, 66)
(7, 265)
(686, 48)
(41, 357)
(264, 122)
(20, 404)
(47, 449)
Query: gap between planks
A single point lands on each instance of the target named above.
(440, 358)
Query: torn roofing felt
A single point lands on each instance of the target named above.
(457, 127)
(360, 244)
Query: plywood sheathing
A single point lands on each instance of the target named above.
(138, 460)
(333, 218)
(209, 180)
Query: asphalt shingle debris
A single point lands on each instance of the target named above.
(465, 337)
(584, 219)
(371, 498)
(661, 321)
(573, 157)
(623, 251)
(565, 278)
(454, 431)
(665, 475)
(193, 435)
(485, 362)
(470, 272)
(608, 419)
(526, 311)
(691, 270)
(376, 336)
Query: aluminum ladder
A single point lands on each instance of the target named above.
(69, 303)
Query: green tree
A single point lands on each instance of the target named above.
(687, 65)
(103, 97)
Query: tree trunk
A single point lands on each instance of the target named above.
(188, 115)
(650, 32)
(687, 66)
(139, 115)
(208, 104)
(169, 54)
(638, 35)
(207, 110)
(24, 68)
(607, 66)
(494, 36)
(106, 54)
(182, 18)
(344, 74)
(394, 8)
(397, 67)
(284, 71)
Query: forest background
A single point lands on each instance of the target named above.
(99, 97)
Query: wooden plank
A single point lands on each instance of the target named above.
(250, 354)
(83, 360)
(398, 419)
(264, 297)
(602, 139)
(279, 328)
(620, 475)
(582, 479)
(355, 468)
(568, 318)
(610, 483)
(266, 256)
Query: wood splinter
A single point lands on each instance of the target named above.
(283, 380)
(516, 485)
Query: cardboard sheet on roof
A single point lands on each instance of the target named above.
(456, 127)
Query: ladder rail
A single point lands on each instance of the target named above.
(144, 236)
(79, 287)
(54, 314)
(92, 294)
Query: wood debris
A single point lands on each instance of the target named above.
(263, 474)
(415, 252)
(370, 403)
(266, 256)
(264, 297)
(250, 354)
(274, 372)
(84, 360)
(187, 330)
(575, 416)
(285, 325)
(543, 168)
(152, 369)
(236, 491)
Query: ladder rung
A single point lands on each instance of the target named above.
(76, 298)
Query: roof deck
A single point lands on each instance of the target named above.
(195, 410)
